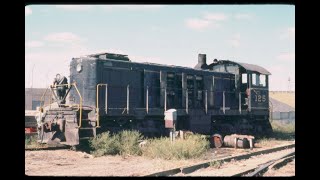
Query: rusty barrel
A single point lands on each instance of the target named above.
(234, 141)
(216, 140)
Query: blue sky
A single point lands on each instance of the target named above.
(165, 34)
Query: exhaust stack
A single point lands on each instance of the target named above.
(202, 62)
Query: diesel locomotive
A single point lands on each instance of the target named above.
(109, 92)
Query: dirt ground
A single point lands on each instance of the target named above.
(73, 163)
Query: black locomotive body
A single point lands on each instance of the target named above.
(115, 93)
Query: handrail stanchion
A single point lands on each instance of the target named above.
(97, 101)
(80, 119)
(224, 103)
(240, 102)
(187, 102)
(165, 99)
(147, 100)
(128, 99)
(206, 101)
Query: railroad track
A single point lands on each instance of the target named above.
(263, 168)
(46, 148)
(193, 168)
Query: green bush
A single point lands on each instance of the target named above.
(129, 143)
(104, 144)
(124, 143)
(192, 147)
(31, 142)
(284, 127)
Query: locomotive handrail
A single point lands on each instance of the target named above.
(165, 99)
(41, 99)
(97, 109)
(187, 101)
(240, 102)
(223, 103)
(80, 119)
(147, 100)
(80, 105)
(69, 86)
(128, 98)
(206, 105)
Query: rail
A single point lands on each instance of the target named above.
(193, 168)
(262, 168)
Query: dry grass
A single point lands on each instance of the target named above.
(283, 126)
(282, 131)
(124, 143)
(287, 98)
(192, 147)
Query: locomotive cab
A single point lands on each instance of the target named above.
(251, 83)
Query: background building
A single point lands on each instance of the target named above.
(282, 105)
(33, 97)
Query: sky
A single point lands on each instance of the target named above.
(166, 34)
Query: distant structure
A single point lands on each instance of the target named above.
(33, 97)
(282, 105)
(290, 83)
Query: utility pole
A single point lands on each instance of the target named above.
(289, 87)
(32, 76)
(32, 86)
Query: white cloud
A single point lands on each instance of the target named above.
(197, 24)
(243, 16)
(33, 44)
(208, 20)
(235, 40)
(28, 11)
(74, 7)
(290, 57)
(214, 16)
(132, 7)
(63, 37)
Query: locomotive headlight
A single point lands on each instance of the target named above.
(79, 67)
